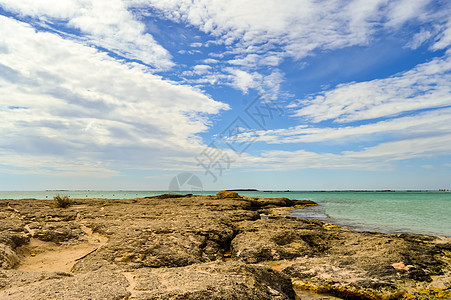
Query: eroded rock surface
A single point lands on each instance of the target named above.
(356, 265)
(202, 247)
(215, 280)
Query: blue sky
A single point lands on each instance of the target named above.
(300, 95)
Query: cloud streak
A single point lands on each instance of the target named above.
(69, 100)
(297, 27)
(426, 86)
(380, 157)
(259, 35)
(106, 24)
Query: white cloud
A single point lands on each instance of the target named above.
(52, 165)
(253, 60)
(430, 123)
(243, 80)
(210, 61)
(64, 104)
(201, 69)
(403, 10)
(104, 23)
(297, 26)
(380, 157)
(260, 34)
(237, 78)
(197, 70)
(444, 37)
(428, 85)
(419, 39)
(72, 101)
(420, 134)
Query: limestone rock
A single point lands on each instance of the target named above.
(95, 285)
(8, 258)
(227, 194)
(217, 280)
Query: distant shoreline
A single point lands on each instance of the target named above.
(238, 190)
(361, 209)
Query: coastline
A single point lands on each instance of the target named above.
(202, 246)
(388, 212)
(310, 213)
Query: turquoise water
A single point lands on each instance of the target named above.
(426, 212)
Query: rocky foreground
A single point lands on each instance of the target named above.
(202, 247)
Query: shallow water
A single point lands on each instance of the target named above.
(426, 212)
(391, 212)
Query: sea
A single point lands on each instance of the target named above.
(422, 212)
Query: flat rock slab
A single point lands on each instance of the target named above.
(45, 285)
(216, 280)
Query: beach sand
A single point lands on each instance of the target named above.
(202, 247)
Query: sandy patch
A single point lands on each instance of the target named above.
(39, 256)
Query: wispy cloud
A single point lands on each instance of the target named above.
(443, 39)
(297, 27)
(426, 86)
(73, 101)
(435, 122)
(419, 39)
(261, 34)
(423, 92)
(381, 157)
(103, 23)
(236, 78)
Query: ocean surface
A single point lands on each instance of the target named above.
(425, 212)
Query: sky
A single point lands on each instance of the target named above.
(290, 94)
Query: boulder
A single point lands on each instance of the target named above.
(227, 194)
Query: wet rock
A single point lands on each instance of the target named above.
(304, 203)
(270, 202)
(369, 266)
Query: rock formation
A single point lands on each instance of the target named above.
(202, 247)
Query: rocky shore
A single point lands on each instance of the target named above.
(207, 247)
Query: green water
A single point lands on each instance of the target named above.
(426, 212)
(414, 212)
